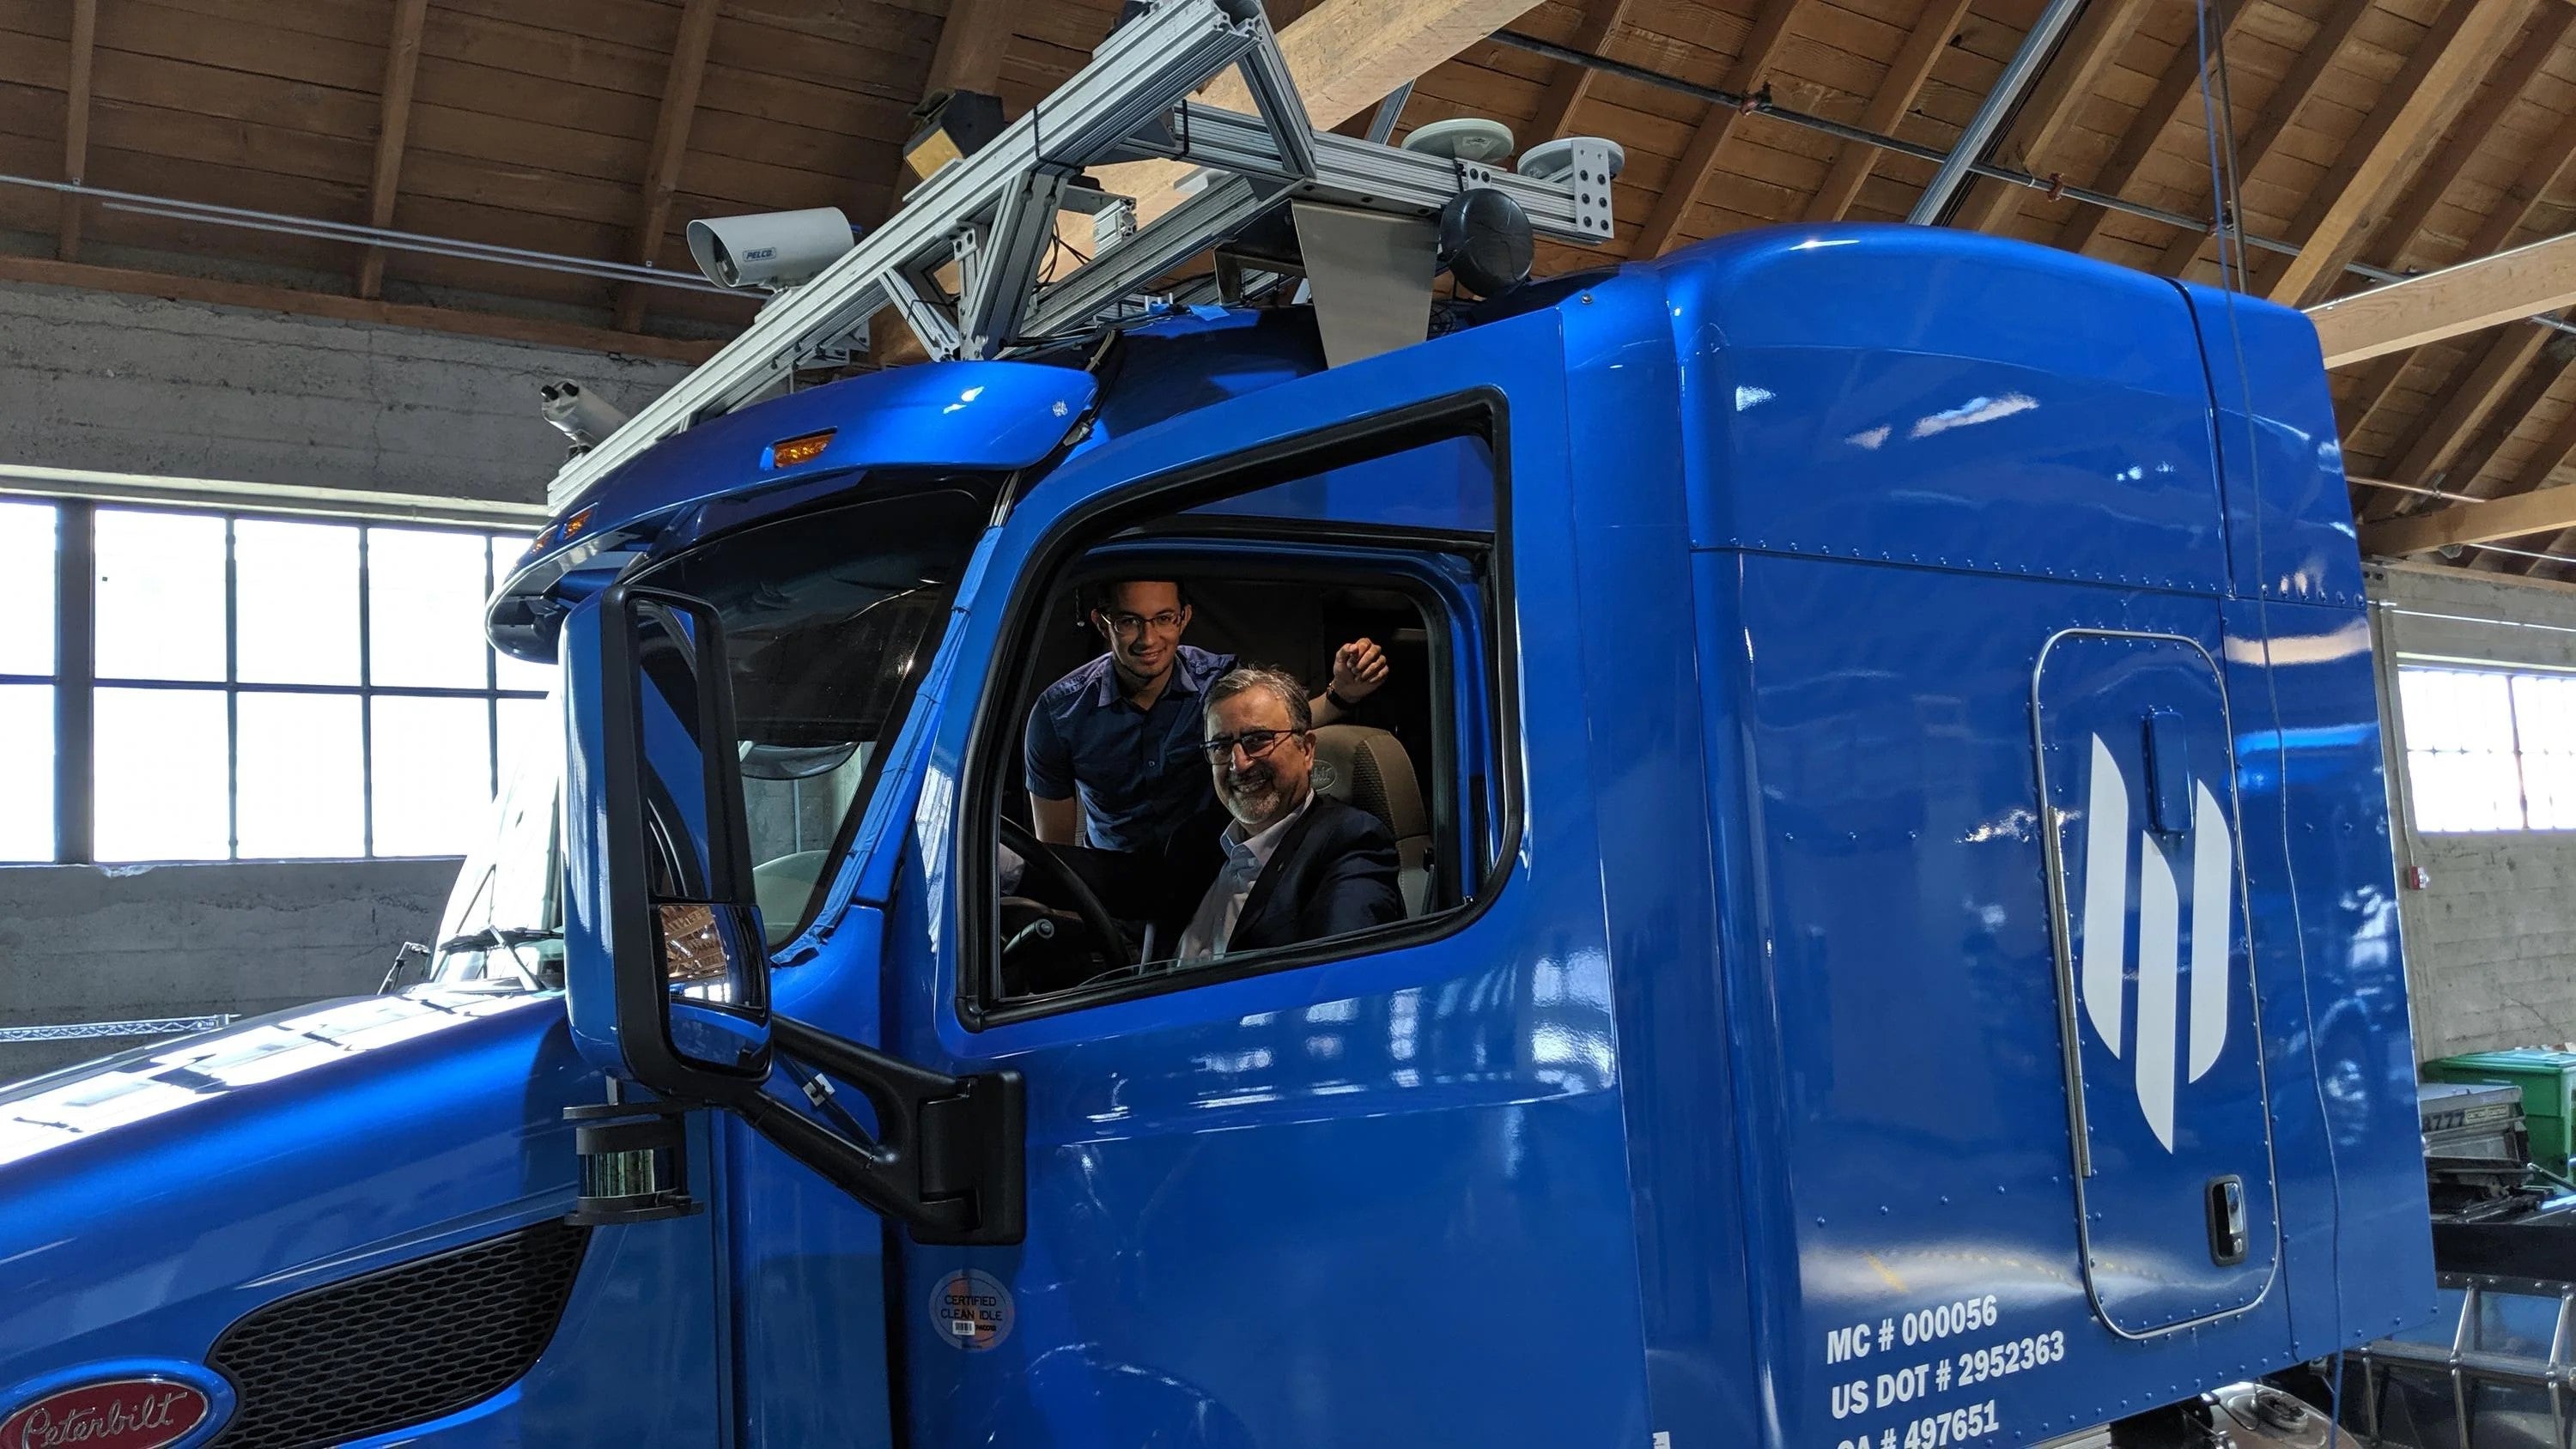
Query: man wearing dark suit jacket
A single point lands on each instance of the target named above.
(1297, 866)
(1283, 865)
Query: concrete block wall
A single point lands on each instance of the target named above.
(143, 385)
(2491, 939)
(128, 384)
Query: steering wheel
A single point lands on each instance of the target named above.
(1042, 858)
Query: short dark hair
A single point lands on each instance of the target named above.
(1094, 597)
(1243, 679)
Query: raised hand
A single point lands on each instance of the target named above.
(1359, 667)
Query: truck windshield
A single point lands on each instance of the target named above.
(829, 620)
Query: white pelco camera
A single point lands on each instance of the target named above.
(771, 251)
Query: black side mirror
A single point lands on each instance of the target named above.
(691, 975)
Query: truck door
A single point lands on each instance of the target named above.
(1368, 1188)
(2171, 1137)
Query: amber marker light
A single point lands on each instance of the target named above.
(800, 450)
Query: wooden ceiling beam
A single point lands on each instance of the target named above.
(971, 43)
(2279, 110)
(2398, 230)
(2049, 111)
(2179, 87)
(1772, 26)
(2431, 88)
(2513, 214)
(76, 105)
(2505, 287)
(393, 131)
(670, 147)
(43, 271)
(2536, 383)
(2463, 410)
(1345, 56)
(1572, 83)
(1886, 107)
(2464, 523)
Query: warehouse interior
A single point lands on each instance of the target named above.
(148, 337)
(280, 281)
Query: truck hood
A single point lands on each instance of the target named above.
(156, 1196)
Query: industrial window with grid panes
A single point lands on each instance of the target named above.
(250, 687)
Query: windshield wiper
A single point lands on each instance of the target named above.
(504, 938)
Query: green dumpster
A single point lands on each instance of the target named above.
(2547, 1078)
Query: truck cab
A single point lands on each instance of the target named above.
(1897, 948)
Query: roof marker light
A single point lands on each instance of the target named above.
(800, 450)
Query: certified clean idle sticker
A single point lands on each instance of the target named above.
(972, 1310)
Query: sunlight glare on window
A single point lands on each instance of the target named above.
(433, 774)
(2544, 712)
(529, 727)
(303, 780)
(425, 608)
(27, 551)
(26, 772)
(160, 776)
(295, 593)
(160, 596)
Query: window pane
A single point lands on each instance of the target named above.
(27, 594)
(529, 727)
(2544, 713)
(160, 596)
(302, 788)
(26, 772)
(425, 608)
(2549, 782)
(163, 764)
(2455, 709)
(511, 673)
(2464, 791)
(433, 775)
(295, 595)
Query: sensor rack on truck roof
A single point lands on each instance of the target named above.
(992, 216)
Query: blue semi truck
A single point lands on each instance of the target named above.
(1899, 949)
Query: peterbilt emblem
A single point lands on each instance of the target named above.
(2175, 1038)
(129, 1413)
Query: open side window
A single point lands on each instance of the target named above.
(1092, 789)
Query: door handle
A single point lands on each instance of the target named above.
(2226, 1198)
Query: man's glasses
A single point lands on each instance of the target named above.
(1128, 626)
(1255, 743)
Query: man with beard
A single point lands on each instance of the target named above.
(1298, 866)
(1289, 865)
(1109, 746)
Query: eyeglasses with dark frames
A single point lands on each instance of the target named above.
(1255, 743)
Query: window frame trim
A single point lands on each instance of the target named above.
(1481, 412)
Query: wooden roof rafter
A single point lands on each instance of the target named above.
(76, 120)
(1571, 83)
(670, 152)
(2427, 92)
(1772, 27)
(2048, 113)
(1896, 94)
(2298, 85)
(393, 132)
(2178, 90)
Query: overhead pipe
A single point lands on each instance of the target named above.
(314, 228)
(2057, 188)
(2019, 72)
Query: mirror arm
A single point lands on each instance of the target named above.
(949, 1159)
